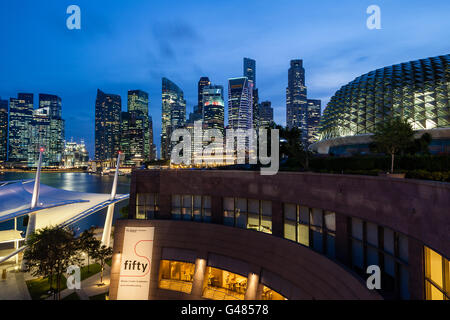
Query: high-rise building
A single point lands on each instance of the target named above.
(296, 99)
(3, 130)
(250, 73)
(265, 115)
(203, 82)
(107, 125)
(75, 155)
(213, 107)
(135, 135)
(152, 154)
(20, 116)
(40, 137)
(313, 120)
(240, 103)
(173, 114)
(250, 70)
(50, 106)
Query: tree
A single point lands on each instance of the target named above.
(50, 251)
(102, 254)
(393, 136)
(88, 243)
(291, 149)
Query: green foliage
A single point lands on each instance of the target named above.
(124, 212)
(50, 252)
(393, 136)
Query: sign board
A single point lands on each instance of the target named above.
(135, 263)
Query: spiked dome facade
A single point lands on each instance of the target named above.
(417, 90)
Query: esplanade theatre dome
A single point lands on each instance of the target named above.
(417, 90)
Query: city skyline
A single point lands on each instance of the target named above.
(78, 62)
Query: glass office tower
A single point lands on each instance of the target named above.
(213, 107)
(296, 101)
(20, 116)
(173, 114)
(3, 130)
(107, 125)
(240, 103)
(265, 116)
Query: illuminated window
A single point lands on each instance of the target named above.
(437, 281)
(269, 294)
(248, 214)
(176, 276)
(311, 227)
(224, 285)
(191, 207)
(146, 205)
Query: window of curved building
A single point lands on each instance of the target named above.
(269, 294)
(437, 277)
(191, 207)
(371, 244)
(223, 285)
(147, 205)
(248, 214)
(311, 227)
(176, 276)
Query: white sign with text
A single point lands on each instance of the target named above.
(135, 263)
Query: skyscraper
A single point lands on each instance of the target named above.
(3, 130)
(296, 99)
(54, 148)
(213, 107)
(265, 116)
(240, 103)
(135, 134)
(20, 116)
(152, 154)
(250, 70)
(313, 120)
(107, 125)
(203, 82)
(250, 73)
(40, 137)
(173, 114)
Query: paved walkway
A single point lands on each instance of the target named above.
(14, 287)
(89, 286)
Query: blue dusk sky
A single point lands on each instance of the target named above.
(125, 45)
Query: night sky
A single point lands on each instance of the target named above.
(125, 45)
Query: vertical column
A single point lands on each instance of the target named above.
(342, 244)
(106, 236)
(217, 209)
(199, 278)
(416, 270)
(252, 286)
(277, 219)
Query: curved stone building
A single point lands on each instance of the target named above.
(239, 235)
(417, 90)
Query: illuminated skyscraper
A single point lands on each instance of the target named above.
(135, 134)
(250, 73)
(20, 116)
(107, 125)
(202, 83)
(250, 70)
(3, 130)
(213, 107)
(265, 115)
(240, 103)
(173, 114)
(152, 154)
(40, 137)
(50, 106)
(296, 101)
(313, 120)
